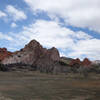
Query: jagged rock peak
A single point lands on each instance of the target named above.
(33, 42)
(86, 62)
(75, 61)
(32, 45)
(4, 53)
(78, 60)
(53, 54)
(53, 49)
(31, 53)
(3, 50)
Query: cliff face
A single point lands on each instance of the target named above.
(42, 59)
(75, 61)
(86, 62)
(4, 53)
(31, 54)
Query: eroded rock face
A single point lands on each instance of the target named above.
(76, 62)
(52, 54)
(42, 59)
(32, 54)
(86, 62)
(4, 53)
(46, 63)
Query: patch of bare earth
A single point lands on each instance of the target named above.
(37, 86)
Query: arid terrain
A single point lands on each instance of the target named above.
(36, 86)
(49, 49)
(37, 73)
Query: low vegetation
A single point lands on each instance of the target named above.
(31, 85)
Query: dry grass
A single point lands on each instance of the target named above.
(37, 86)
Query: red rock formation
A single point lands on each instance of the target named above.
(52, 54)
(4, 53)
(75, 61)
(86, 62)
(32, 45)
(31, 53)
(45, 60)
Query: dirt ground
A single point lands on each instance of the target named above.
(37, 86)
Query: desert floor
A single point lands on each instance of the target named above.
(37, 86)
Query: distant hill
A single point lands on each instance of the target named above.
(66, 60)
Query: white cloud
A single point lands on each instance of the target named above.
(90, 48)
(51, 33)
(16, 14)
(13, 25)
(2, 14)
(6, 37)
(79, 13)
(82, 36)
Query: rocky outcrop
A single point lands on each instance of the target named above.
(86, 62)
(4, 54)
(46, 60)
(76, 62)
(32, 53)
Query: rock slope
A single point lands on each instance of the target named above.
(4, 54)
(32, 53)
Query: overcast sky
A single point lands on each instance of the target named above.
(72, 26)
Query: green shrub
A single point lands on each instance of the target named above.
(62, 63)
